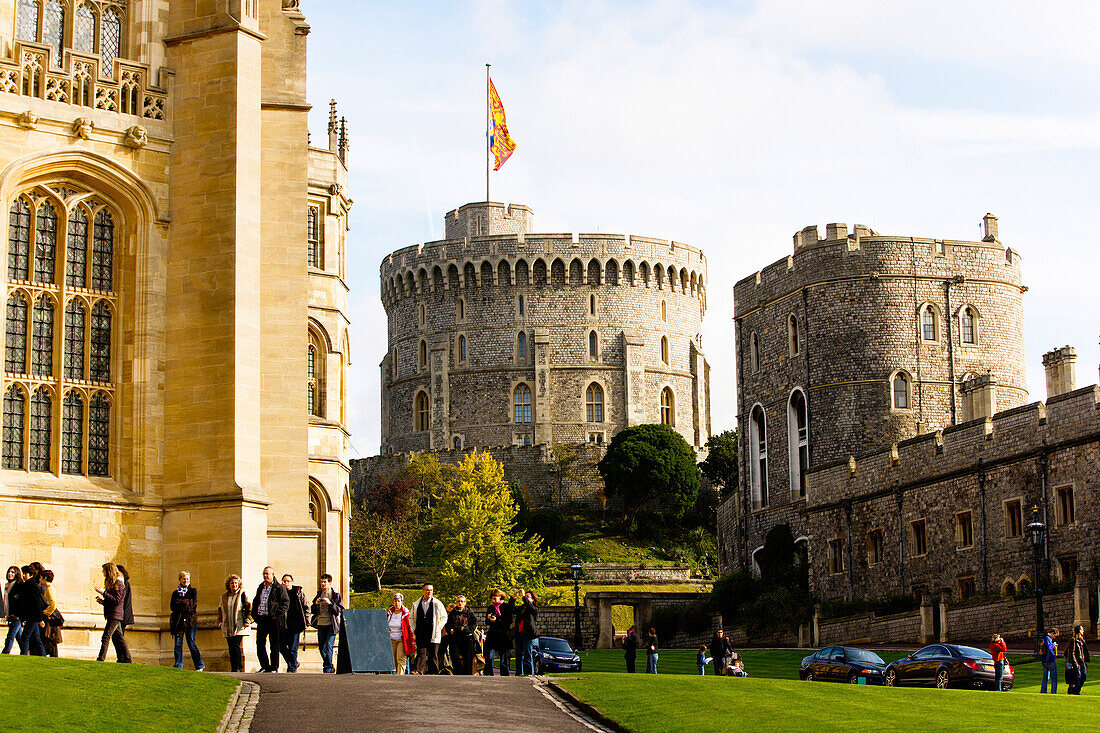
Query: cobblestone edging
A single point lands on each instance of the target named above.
(240, 709)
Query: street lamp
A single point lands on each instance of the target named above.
(1036, 531)
(575, 569)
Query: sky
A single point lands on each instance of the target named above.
(728, 126)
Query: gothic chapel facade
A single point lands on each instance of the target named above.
(174, 255)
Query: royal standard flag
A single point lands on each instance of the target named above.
(499, 142)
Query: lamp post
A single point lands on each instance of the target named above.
(1036, 531)
(575, 569)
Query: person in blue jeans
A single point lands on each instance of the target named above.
(1048, 655)
(1077, 659)
(650, 642)
(327, 613)
(184, 621)
(702, 660)
(15, 626)
(527, 630)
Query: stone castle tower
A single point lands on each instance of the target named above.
(175, 275)
(501, 337)
(857, 341)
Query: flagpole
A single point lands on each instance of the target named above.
(488, 125)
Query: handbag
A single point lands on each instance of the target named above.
(56, 619)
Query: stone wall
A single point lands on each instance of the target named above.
(626, 573)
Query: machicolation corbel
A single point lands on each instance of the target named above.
(852, 471)
(939, 442)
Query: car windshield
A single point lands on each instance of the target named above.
(555, 645)
(972, 653)
(862, 655)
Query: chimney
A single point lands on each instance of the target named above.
(980, 397)
(989, 228)
(1061, 369)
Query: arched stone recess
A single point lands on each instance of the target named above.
(609, 417)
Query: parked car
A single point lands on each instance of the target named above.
(843, 664)
(947, 665)
(555, 655)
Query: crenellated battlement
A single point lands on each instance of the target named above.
(860, 252)
(520, 258)
(932, 456)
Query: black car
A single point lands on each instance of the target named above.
(843, 664)
(947, 665)
(555, 655)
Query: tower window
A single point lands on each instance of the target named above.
(798, 442)
(792, 336)
(591, 305)
(900, 391)
(664, 311)
(100, 355)
(521, 304)
(593, 403)
(521, 346)
(758, 465)
(13, 427)
(919, 537)
(668, 407)
(967, 329)
(421, 411)
(1014, 518)
(664, 349)
(928, 325)
(521, 404)
(964, 530)
(422, 355)
(460, 309)
(313, 240)
(875, 542)
(754, 352)
(1065, 509)
(836, 556)
(593, 346)
(76, 248)
(462, 348)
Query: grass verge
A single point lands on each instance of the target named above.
(68, 694)
(672, 703)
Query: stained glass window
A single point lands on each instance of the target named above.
(72, 434)
(103, 250)
(19, 239)
(99, 421)
(15, 335)
(84, 30)
(110, 40)
(45, 243)
(311, 372)
(53, 30)
(26, 23)
(311, 237)
(74, 340)
(100, 363)
(13, 428)
(41, 424)
(76, 250)
(42, 337)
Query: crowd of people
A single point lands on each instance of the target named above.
(1077, 659)
(432, 638)
(279, 611)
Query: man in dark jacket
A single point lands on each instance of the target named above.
(31, 602)
(297, 615)
(630, 649)
(498, 636)
(720, 650)
(122, 650)
(326, 613)
(184, 621)
(269, 610)
(527, 630)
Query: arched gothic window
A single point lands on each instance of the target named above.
(42, 337)
(45, 243)
(798, 442)
(422, 355)
(311, 375)
(26, 21)
(521, 305)
(100, 354)
(900, 391)
(591, 305)
(41, 426)
(593, 346)
(929, 330)
(84, 30)
(457, 443)
(75, 317)
(53, 30)
(594, 272)
(664, 349)
(14, 405)
(523, 275)
(72, 434)
(521, 404)
(758, 462)
(968, 331)
(462, 348)
(76, 248)
(19, 239)
(521, 346)
(420, 409)
(664, 311)
(103, 244)
(315, 373)
(110, 40)
(313, 242)
(460, 309)
(15, 337)
(668, 407)
(539, 273)
(99, 429)
(593, 403)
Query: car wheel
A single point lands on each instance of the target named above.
(891, 678)
(943, 679)
(809, 675)
(853, 678)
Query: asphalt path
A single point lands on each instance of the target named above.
(366, 702)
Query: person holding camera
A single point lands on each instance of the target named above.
(998, 648)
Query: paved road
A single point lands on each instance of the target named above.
(365, 702)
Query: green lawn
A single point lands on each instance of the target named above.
(783, 665)
(39, 694)
(670, 703)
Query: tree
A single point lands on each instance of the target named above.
(471, 536)
(650, 467)
(378, 540)
(721, 465)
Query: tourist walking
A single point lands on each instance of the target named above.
(297, 619)
(461, 624)
(527, 630)
(112, 596)
(50, 625)
(30, 606)
(702, 660)
(327, 610)
(269, 611)
(1048, 655)
(998, 648)
(720, 650)
(233, 613)
(630, 646)
(498, 640)
(122, 651)
(11, 600)
(428, 617)
(184, 621)
(651, 645)
(1077, 660)
(397, 619)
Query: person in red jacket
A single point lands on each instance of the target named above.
(997, 648)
